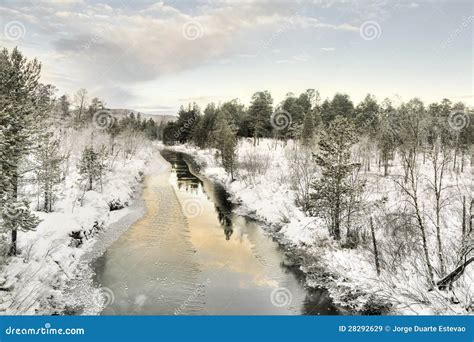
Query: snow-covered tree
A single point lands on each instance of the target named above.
(332, 192)
(80, 100)
(386, 134)
(307, 134)
(64, 107)
(91, 167)
(17, 216)
(259, 113)
(48, 168)
(20, 116)
(226, 143)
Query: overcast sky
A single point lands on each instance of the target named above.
(155, 56)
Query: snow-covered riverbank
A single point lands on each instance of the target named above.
(348, 273)
(35, 281)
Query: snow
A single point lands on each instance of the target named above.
(35, 281)
(52, 261)
(349, 274)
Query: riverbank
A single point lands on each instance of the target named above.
(36, 281)
(272, 205)
(349, 274)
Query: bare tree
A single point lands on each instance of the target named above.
(374, 242)
(439, 157)
(80, 100)
(303, 174)
(411, 189)
(471, 215)
(464, 223)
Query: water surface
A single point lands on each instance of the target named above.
(191, 254)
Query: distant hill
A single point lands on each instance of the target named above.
(120, 113)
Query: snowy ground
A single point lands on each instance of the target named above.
(51, 260)
(349, 274)
(34, 282)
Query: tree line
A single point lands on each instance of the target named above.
(383, 126)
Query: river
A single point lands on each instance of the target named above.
(191, 254)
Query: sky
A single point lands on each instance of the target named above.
(154, 56)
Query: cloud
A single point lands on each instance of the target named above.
(328, 49)
(315, 23)
(118, 48)
(132, 45)
(299, 58)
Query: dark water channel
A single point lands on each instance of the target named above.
(191, 254)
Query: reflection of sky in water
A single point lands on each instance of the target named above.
(155, 266)
(245, 263)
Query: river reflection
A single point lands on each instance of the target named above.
(209, 261)
(186, 181)
(245, 266)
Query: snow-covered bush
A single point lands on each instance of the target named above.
(254, 162)
(303, 173)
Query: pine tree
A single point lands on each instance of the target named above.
(48, 168)
(113, 130)
(235, 113)
(386, 136)
(94, 107)
(64, 107)
(333, 191)
(92, 166)
(295, 111)
(226, 143)
(260, 112)
(307, 134)
(366, 120)
(188, 119)
(20, 116)
(206, 124)
(340, 105)
(17, 216)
